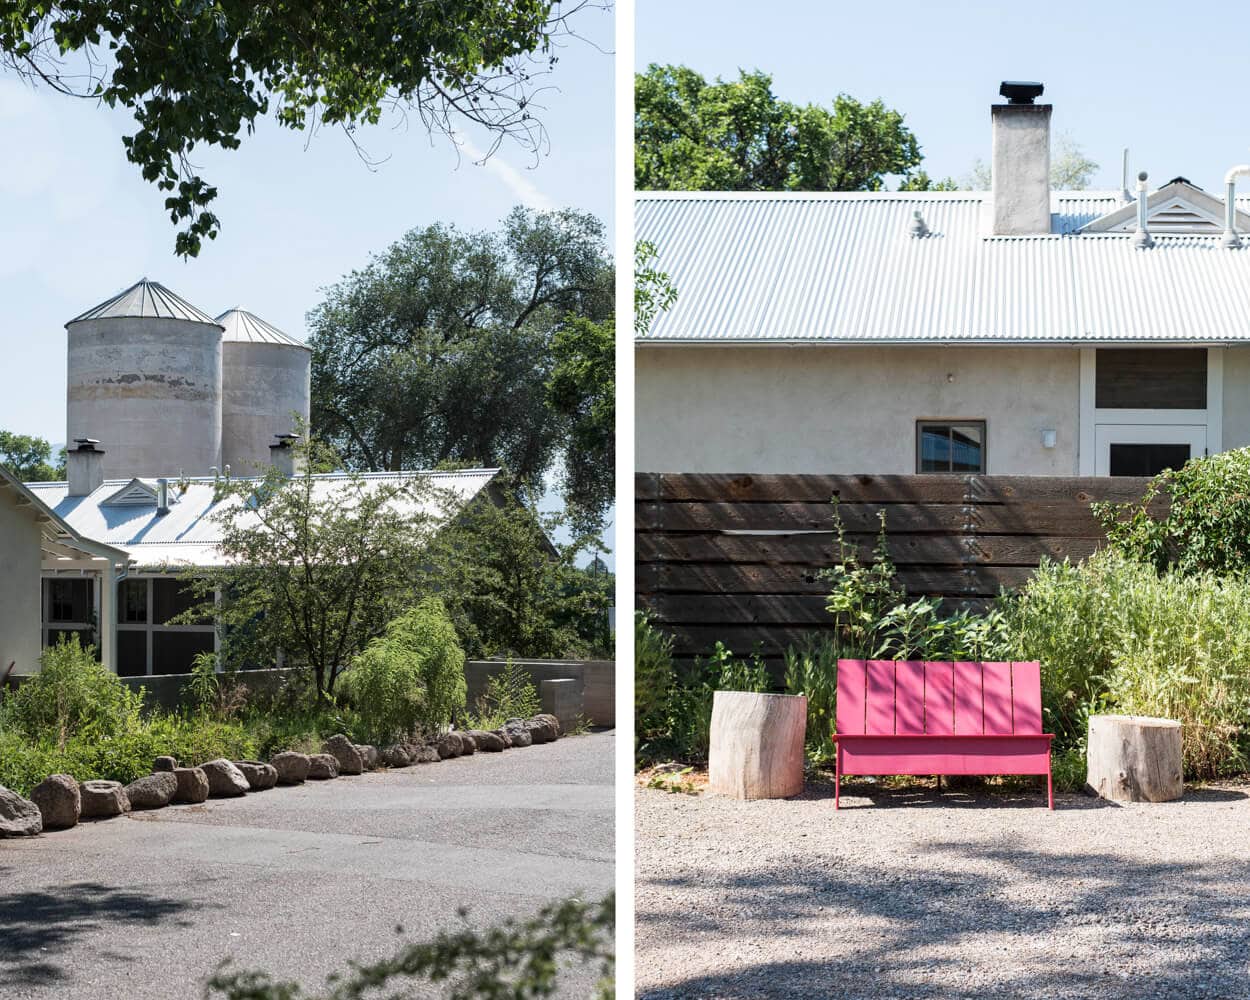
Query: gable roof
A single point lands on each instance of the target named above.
(1178, 206)
(147, 299)
(189, 535)
(241, 326)
(841, 268)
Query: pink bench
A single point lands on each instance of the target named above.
(913, 717)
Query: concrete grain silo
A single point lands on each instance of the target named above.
(265, 384)
(144, 379)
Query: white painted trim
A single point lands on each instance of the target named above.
(1215, 400)
(1086, 420)
(1193, 435)
(1178, 418)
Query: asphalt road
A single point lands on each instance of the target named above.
(296, 881)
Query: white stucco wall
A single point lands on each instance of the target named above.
(1236, 408)
(21, 558)
(850, 409)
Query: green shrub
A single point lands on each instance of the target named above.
(653, 679)
(410, 679)
(812, 671)
(510, 694)
(72, 695)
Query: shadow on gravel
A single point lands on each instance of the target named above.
(37, 928)
(1186, 921)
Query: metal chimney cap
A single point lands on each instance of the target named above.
(86, 444)
(1020, 91)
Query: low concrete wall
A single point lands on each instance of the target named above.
(594, 682)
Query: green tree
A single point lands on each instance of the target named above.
(30, 458)
(582, 389)
(691, 135)
(315, 571)
(442, 349)
(199, 75)
(654, 291)
(509, 589)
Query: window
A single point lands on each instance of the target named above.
(146, 643)
(1150, 379)
(1147, 459)
(950, 446)
(69, 609)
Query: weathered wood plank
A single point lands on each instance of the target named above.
(761, 578)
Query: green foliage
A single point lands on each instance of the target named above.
(654, 291)
(812, 671)
(861, 595)
(30, 458)
(443, 348)
(509, 590)
(582, 389)
(72, 696)
(676, 783)
(691, 135)
(510, 694)
(411, 679)
(654, 676)
(1193, 519)
(199, 75)
(316, 573)
(516, 960)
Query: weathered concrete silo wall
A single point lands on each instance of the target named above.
(264, 387)
(148, 388)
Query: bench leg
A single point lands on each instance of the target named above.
(837, 777)
(1050, 788)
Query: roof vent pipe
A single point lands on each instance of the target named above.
(162, 497)
(1231, 239)
(1142, 239)
(918, 228)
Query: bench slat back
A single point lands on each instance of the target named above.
(911, 697)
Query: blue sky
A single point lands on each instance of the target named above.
(77, 223)
(1146, 75)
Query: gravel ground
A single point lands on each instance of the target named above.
(297, 881)
(907, 893)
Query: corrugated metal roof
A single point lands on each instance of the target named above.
(242, 326)
(146, 299)
(188, 535)
(841, 267)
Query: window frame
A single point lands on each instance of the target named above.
(949, 423)
(150, 628)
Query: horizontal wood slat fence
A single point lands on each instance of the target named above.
(738, 557)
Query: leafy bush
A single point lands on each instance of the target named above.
(653, 679)
(812, 671)
(861, 595)
(410, 679)
(1193, 519)
(510, 694)
(71, 696)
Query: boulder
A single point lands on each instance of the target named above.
(518, 733)
(292, 767)
(487, 742)
(192, 784)
(396, 756)
(368, 756)
(426, 755)
(260, 776)
(503, 735)
(551, 720)
(224, 779)
(102, 799)
(322, 766)
(164, 764)
(19, 817)
(542, 732)
(152, 792)
(448, 745)
(344, 753)
(59, 801)
(468, 745)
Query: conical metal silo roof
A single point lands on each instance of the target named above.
(146, 299)
(242, 326)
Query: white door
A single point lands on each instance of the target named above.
(1145, 449)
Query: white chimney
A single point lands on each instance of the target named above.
(282, 455)
(1020, 162)
(84, 467)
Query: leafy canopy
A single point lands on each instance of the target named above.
(30, 458)
(201, 74)
(691, 135)
(467, 348)
(654, 291)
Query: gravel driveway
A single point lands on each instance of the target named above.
(906, 893)
(298, 880)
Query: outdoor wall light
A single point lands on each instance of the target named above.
(1048, 438)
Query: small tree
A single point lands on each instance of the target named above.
(314, 571)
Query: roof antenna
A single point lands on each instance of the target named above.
(1231, 239)
(918, 228)
(1125, 191)
(1142, 240)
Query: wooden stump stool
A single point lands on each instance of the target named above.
(1134, 758)
(756, 749)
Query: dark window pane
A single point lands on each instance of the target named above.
(170, 598)
(966, 449)
(132, 601)
(1147, 459)
(70, 599)
(173, 652)
(132, 653)
(1151, 379)
(935, 450)
(951, 447)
